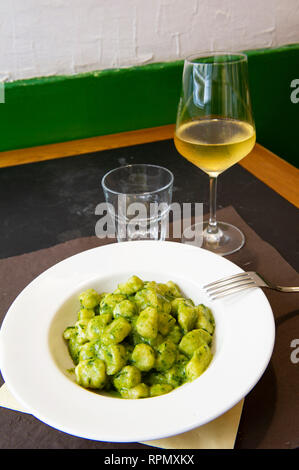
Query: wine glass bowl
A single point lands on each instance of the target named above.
(215, 129)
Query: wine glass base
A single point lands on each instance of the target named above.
(231, 239)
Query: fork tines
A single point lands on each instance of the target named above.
(229, 285)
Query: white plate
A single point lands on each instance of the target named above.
(34, 358)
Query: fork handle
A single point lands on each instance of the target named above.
(287, 289)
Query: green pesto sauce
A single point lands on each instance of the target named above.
(142, 340)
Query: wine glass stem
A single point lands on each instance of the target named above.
(212, 227)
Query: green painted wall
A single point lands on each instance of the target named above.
(271, 72)
(56, 109)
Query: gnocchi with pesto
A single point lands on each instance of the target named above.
(142, 340)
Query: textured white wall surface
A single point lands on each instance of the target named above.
(55, 37)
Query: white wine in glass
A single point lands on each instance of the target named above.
(215, 130)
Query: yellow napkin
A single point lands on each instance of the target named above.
(7, 400)
(218, 434)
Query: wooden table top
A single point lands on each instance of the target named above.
(263, 164)
(47, 199)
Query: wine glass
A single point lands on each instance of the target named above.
(214, 130)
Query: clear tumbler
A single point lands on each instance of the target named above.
(138, 199)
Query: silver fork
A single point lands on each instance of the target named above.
(237, 282)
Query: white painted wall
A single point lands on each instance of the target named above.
(54, 37)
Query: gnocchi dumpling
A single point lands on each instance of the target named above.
(91, 373)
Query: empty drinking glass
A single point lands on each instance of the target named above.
(138, 199)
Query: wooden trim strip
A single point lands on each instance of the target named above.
(81, 146)
(275, 172)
